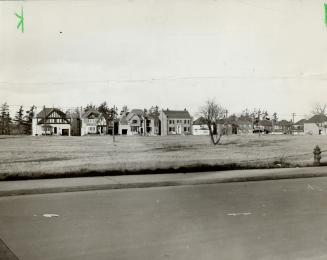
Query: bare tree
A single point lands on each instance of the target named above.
(320, 110)
(212, 112)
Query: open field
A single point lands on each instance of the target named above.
(27, 156)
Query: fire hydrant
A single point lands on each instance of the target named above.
(316, 155)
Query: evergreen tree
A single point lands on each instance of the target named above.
(19, 119)
(28, 120)
(5, 119)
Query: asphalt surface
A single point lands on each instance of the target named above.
(280, 219)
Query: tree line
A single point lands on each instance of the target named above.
(20, 124)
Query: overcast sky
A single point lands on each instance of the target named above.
(170, 53)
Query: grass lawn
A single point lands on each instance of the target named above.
(28, 156)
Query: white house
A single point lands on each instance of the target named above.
(200, 127)
(92, 122)
(316, 125)
(137, 122)
(131, 123)
(175, 122)
(51, 121)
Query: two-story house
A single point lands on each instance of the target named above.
(92, 122)
(175, 122)
(131, 123)
(51, 121)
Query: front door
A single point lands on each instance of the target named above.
(179, 129)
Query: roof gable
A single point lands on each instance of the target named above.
(284, 123)
(91, 114)
(138, 112)
(317, 119)
(301, 122)
(51, 113)
(54, 112)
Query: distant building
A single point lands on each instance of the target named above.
(316, 125)
(283, 126)
(139, 122)
(92, 122)
(264, 126)
(131, 123)
(244, 126)
(175, 122)
(51, 121)
(200, 127)
(298, 127)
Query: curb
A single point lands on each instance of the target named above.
(165, 183)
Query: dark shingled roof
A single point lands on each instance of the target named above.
(244, 122)
(89, 112)
(46, 111)
(317, 119)
(265, 123)
(177, 113)
(138, 112)
(301, 122)
(284, 123)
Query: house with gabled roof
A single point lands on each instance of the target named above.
(131, 123)
(316, 125)
(298, 127)
(139, 122)
(200, 127)
(245, 126)
(283, 127)
(175, 122)
(92, 122)
(51, 121)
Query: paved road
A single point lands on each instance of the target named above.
(284, 219)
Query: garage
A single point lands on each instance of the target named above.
(65, 132)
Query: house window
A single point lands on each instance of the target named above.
(185, 129)
(134, 121)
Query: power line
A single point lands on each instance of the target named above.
(322, 76)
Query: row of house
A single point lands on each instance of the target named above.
(243, 126)
(316, 125)
(53, 121)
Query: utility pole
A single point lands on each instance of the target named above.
(259, 126)
(274, 121)
(113, 116)
(293, 115)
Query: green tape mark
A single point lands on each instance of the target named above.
(21, 19)
(325, 13)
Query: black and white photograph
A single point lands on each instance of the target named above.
(163, 129)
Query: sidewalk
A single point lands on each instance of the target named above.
(10, 188)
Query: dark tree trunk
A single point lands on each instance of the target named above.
(214, 140)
